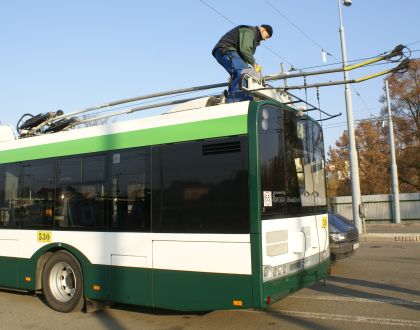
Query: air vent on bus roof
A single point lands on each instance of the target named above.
(221, 148)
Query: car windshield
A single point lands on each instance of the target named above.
(338, 223)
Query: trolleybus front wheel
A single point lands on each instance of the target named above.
(62, 282)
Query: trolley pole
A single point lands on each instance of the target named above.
(354, 164)
(396, 217)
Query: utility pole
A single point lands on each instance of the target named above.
(354, 164)
(396, 217)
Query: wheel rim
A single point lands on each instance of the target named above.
(62, 282)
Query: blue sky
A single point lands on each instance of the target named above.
(73, 54)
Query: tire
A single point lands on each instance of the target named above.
(62, 282)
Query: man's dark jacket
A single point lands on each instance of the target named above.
(243, 39)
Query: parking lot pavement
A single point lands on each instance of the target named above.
(377, 288)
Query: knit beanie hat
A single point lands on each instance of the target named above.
(268, 28)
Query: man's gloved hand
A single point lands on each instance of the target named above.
(257, 68)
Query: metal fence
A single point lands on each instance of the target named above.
(379, 208)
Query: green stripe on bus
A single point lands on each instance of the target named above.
(205, 129)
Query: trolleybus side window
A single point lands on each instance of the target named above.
(130, 201)
(80, 201)
(36, 194)
(9, 206)
(201, 187)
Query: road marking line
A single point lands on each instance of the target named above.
(352, 318)
(392, 301)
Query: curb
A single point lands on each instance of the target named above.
(394, 237)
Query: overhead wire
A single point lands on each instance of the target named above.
(352, 61)
(321, 47)
(412, 43)
(218, 12)
(340, 62)
(290, 22)
(297, 27)
(313, 41)
(173, 96)
(348, 62)
(234, 24)
(358, 121)
(303, 32)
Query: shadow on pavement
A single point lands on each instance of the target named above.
(341, 291)
(298, 321)
(370, 284)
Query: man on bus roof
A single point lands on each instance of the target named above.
(235, 50)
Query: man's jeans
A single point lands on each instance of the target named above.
(234, 65)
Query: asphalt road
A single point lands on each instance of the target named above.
(378, 288)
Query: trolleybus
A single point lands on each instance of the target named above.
(202, 208)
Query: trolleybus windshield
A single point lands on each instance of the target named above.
(292, 163)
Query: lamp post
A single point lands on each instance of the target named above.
(354, 164)
(396, 217)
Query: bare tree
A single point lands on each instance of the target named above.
(374, 162)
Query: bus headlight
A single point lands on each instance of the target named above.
(268, 272)
(273, 272)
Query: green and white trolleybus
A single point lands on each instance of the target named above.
(200, 208)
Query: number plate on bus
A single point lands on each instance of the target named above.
(43, 236)
(324, 222)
